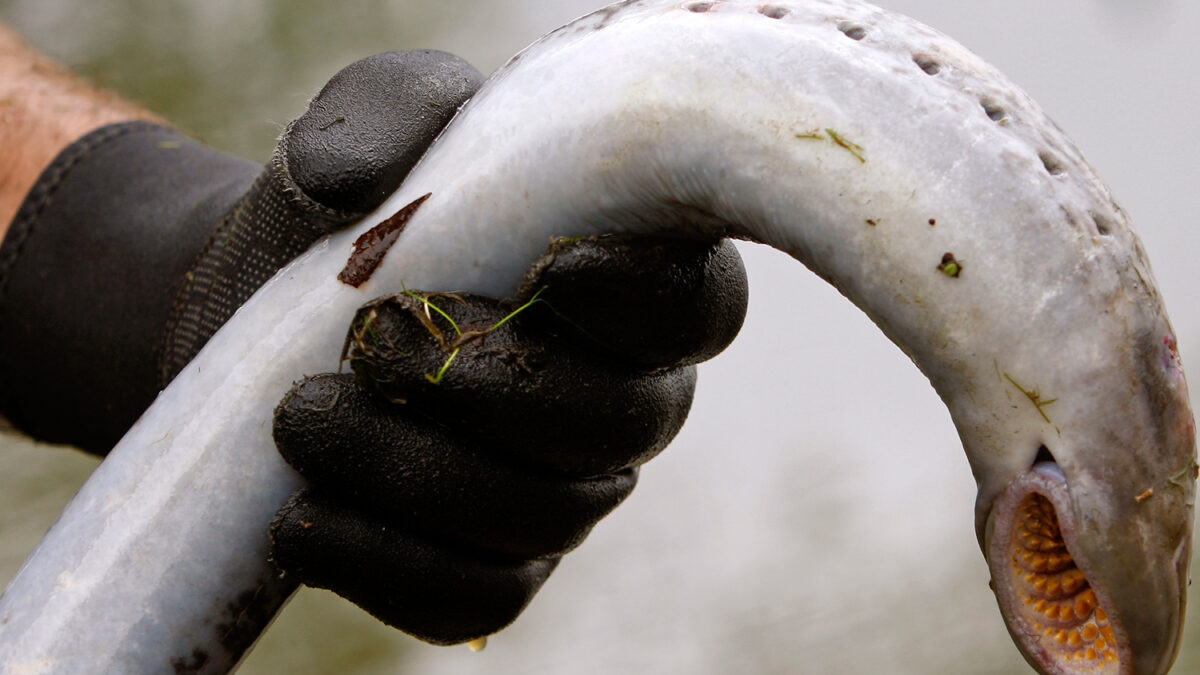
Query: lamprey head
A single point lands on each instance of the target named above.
(1057, 591)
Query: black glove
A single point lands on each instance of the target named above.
(470, 450)
(442, 516)
(137, 244)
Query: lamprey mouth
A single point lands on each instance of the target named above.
(1054, 612)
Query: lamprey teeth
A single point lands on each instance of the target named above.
(1057, 600)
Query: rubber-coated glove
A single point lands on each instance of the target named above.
(137, 243)
(443, 515)
(479, 440)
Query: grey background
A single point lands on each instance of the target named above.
(815, 516)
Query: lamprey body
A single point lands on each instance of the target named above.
(830, 129)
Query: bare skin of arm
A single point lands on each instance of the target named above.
(43, 108)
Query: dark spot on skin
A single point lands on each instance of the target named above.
(605, 16)
(373, 245)
(926, 63)
(932, 222)
(1157, 371)
(773, 12)
(601, 17)
(193, 664)
(1103, 227)
(852, 31)
(238, 626)
(872, 222)
(700, 7)
(249, 614)
(951, 266)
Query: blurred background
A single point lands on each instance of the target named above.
(815, 515)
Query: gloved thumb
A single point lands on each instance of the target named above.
(360, 136)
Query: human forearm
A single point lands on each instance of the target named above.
(43, 108)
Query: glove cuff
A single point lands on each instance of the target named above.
(89, 274)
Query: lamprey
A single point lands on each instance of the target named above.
(830, 129)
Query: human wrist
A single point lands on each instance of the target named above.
(90, 271)
(43, 109)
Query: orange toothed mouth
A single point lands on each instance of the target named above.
(1055, 596)
(1051, 607)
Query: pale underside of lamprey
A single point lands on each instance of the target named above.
(891, 161)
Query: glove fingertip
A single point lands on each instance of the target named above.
(431, 592)
(310, 409)
(371, 123)
(654, 302)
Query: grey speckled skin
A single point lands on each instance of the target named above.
(862, 143)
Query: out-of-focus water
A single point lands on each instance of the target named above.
(815, 516)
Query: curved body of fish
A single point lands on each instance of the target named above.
(895, 164)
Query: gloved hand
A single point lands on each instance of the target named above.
(137, 243)
(478, 441)
(441, 515)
